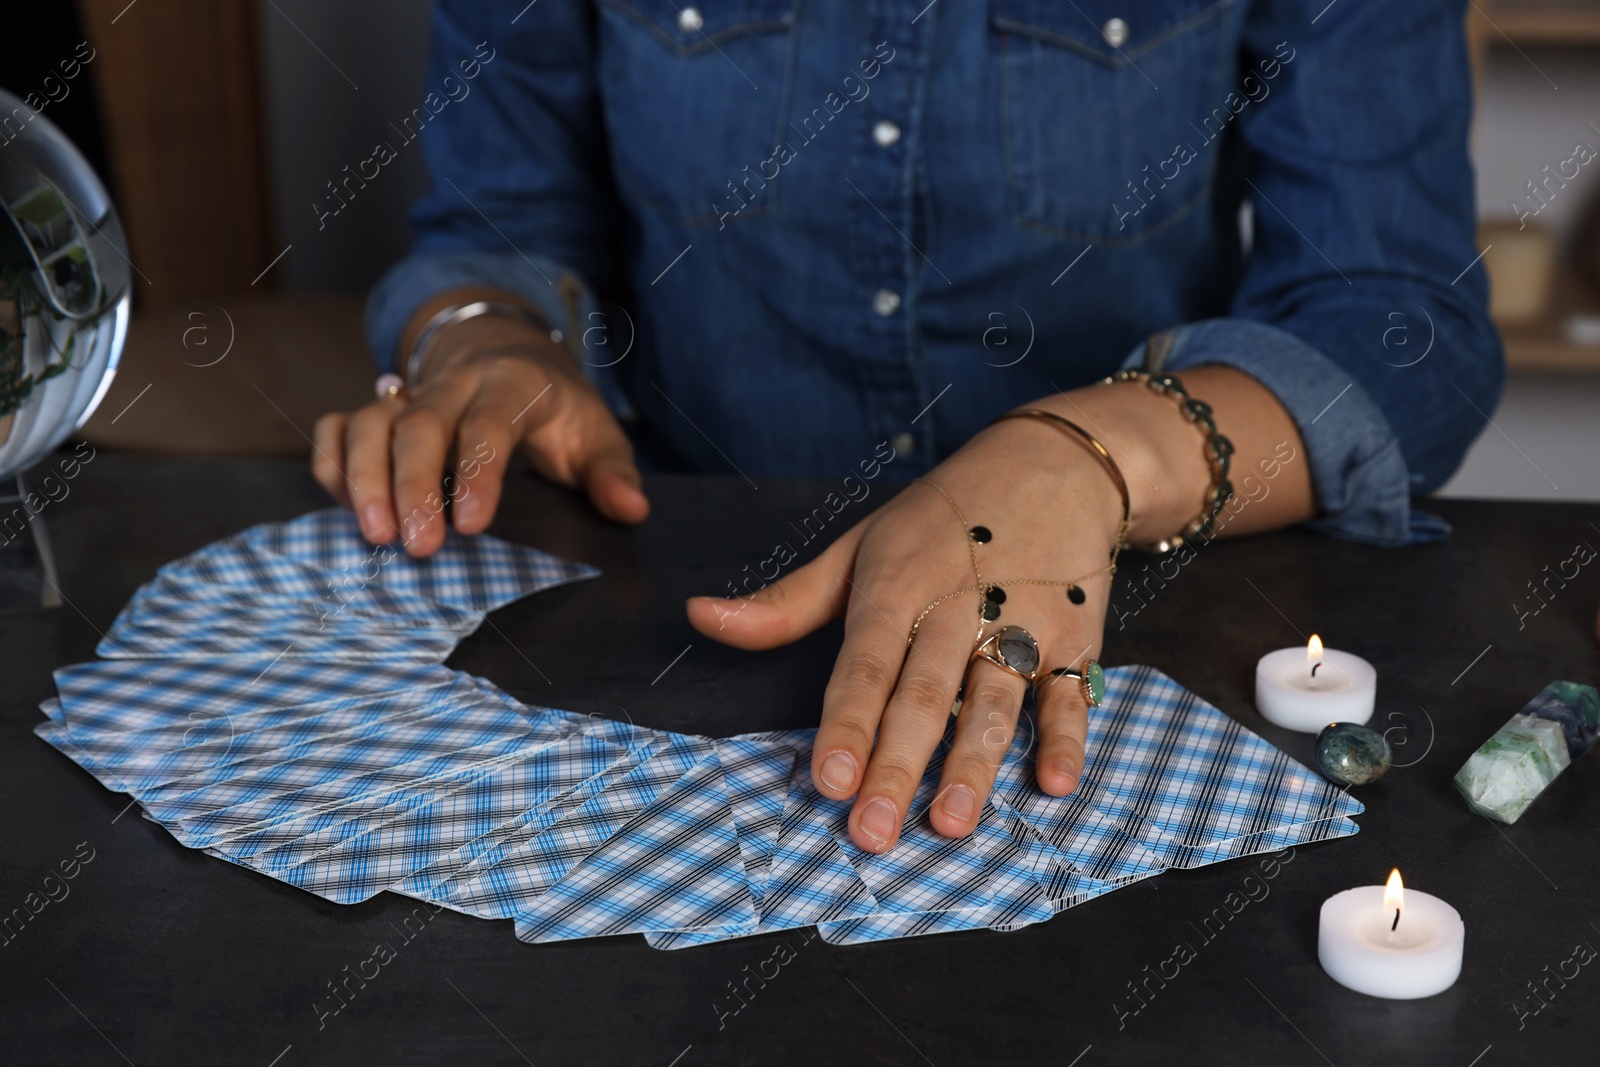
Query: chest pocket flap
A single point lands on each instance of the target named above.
(1099, 98)
(694, 96)
(690, 27)
(1114, 32)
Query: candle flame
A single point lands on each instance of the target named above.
(1313, 649)
(1394, 894)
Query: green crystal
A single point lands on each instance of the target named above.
(1350, 754)
(1513, 767)
(1576, 707)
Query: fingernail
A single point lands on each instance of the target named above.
(879, 820)
(372, 520)
(960, 803)
(839, 772)
(1067, 769)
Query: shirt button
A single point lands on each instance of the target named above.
(1115, 31)
(886, 302)
(885, 133)
(689, 20)
(903, 443)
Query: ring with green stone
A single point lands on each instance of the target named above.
(1091, 680)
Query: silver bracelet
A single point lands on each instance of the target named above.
(455, 313)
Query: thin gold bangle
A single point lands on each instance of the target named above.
(1087, 438)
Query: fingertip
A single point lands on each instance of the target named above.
(618, 499)
(472, 514)
(954, 812)
(708, 614)
(1058, 775)
(425, 538)
(377, 523)
(837, 775)
(743, 622)
(875, 826)
(632, 506)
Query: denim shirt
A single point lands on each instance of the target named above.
(782, 232)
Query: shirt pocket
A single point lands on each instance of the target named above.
(1104, 106)
(694, 98)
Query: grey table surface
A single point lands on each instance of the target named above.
(156, 954)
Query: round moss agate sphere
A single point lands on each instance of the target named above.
(1349, 754)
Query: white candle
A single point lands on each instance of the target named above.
(1388, 941)
(1307, 688)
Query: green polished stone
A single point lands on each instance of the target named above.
(1094, 679)
(1351, 754)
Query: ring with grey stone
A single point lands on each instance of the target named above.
(1013, 649)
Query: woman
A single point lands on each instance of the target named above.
(832, 235)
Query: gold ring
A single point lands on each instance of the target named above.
(1013, 649)
(1091, 681)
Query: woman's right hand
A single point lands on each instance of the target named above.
(489, 385)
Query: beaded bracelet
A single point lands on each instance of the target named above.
(1219, 452)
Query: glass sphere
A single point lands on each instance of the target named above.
(64, 288)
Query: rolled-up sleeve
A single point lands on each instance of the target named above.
(518, 196)
(1363, 306)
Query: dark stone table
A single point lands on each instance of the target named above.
(157, 954)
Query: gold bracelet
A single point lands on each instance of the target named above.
(1219, 452)
(1100, 451)
(990, 609)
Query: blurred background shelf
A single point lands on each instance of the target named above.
(1542, 22)
(1537, 66)
(1544, 346)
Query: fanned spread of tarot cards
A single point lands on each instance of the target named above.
(279, 700)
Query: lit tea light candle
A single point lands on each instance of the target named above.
(1306, 689)
(1388, 941)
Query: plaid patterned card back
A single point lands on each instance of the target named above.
(482, 572)
(356, 861)
(926, 871)
(123, 695)
(528, 862)
(810, 879)
(1166, 773)
(205, 744)
(675, 867)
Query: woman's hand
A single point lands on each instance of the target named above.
(1053, 513)
(490, 385)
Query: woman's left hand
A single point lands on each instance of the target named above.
(1053, 513)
